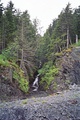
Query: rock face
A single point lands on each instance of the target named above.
(69, 73)
(71, 66)
(7, 90)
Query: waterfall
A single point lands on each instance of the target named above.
(35, 83)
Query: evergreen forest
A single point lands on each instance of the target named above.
(24, 52)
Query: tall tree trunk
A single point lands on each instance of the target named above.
(3, 37)
(76, 39)
(22, 65)
(67, 37)
(22, 45)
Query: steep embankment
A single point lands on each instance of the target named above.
(69, 68)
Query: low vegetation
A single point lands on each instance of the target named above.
(48, 73)
(17, 74)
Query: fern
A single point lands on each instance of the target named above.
(48, 72)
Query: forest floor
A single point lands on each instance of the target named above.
(63, 105)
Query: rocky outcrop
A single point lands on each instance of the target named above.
(69, 69)
(71, 66)
(8, 91)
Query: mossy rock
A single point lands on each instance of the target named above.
(58, 54)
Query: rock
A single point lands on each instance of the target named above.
(69, 73)
(65, 106)
(8, 90)
(73, 101)
(58, 92)
(74, 86)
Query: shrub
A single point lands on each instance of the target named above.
(48, 72)
(18, 74)
(3, 61)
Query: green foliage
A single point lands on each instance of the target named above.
(7, 59)
(24, 85)
(76, 44)
(76, 20)
(10, 23)
(17, 34)
(48, 72)
(18, 74)
(17, 44)
(55, 86)
(22, 81)
(11, 52)
(58, 54)
(3, 61)
(55, 39)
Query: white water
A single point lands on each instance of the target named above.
(35, 83)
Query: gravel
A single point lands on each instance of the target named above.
(61, 106)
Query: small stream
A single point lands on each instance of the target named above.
(35, 84)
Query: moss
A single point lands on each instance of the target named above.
(24, 102)
(68, 50)
(58, 54)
